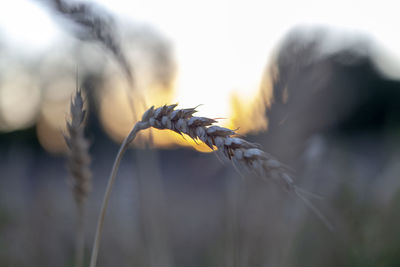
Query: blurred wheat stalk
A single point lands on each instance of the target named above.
(225, 141)
(78, 165)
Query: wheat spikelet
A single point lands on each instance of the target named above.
(78, 155)
(228, 144)
(78, 165)
(224, 140)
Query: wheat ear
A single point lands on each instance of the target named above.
(78, 165)
(223, 140)
(227, 143)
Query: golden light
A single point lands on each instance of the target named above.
(50, 137)
(117, 117)
(19, 100)
(51, 124)
(221, 49)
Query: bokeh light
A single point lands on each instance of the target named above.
(211, 53)
(20, 99)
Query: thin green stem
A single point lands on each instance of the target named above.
(124, 146)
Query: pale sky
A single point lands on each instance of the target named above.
(237, 36)
(220, 46)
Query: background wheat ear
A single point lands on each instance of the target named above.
(78, 166)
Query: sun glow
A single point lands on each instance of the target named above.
(26, 26)
(117, 118)
(19, 101)
(221, 49)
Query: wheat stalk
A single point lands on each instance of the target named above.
(78, 165)
(224, 140)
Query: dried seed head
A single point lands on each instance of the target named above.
(223, 139)
(78, 155)
(227, 142)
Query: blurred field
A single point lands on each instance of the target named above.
(183, 208)
(331, 115)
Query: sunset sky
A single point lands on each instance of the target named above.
(221, 49)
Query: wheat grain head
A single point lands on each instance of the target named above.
(229, 144)
(78, 155)
(223, 140)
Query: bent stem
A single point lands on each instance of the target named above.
(124, 146)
